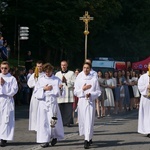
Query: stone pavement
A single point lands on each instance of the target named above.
(117, 132)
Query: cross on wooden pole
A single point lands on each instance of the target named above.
(86, 19)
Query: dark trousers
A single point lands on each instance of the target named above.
(66, 110)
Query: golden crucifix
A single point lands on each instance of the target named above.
(86, 19)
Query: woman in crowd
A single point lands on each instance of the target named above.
(109, 85)
(116, 91)
(102, 97)
(122, 93)
(135, 89)
(124, 82)
(130, 83)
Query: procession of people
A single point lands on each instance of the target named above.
(53, 98)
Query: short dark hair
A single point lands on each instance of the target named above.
(39, 62)
(86, 63)
(77, 69)
(64, 61)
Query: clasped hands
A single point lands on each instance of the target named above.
(2, 81)
(48, 87)
(86, 87)
(64, 80)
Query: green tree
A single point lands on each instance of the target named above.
(120, 28)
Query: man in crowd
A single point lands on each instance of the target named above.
(3, 48)
(4, 54)
(1, 41)
(66, 102)
(8, 88)
(28, 61)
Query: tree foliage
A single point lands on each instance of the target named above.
(119, 29)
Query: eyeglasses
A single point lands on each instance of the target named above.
(4, 68)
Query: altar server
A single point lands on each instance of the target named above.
(92, 72)
(34, 103)
(8, 88)
(49, 121)
(87, 90)
(144, 109)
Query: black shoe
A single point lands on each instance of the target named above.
(45, 145)
(90, 142)
(54, 141)
(86, 144)
(3, 143)
(148, 135)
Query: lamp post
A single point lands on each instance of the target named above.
(23, 33)
(86, 19)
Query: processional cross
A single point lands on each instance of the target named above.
(86, 19)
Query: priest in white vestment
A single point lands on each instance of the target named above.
(144, 108)
(66, 103)
(8, 88)
(49, 121)
(34, 103)
(87, 90)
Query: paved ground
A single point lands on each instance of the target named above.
(117, 132)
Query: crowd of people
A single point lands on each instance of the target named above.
(54, 98)
(119, 90)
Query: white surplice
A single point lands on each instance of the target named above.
(144, 108)
(92, 72)
(7, 119)
(48, 108)
(33, 103)
(68, 87)
(86, 107)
